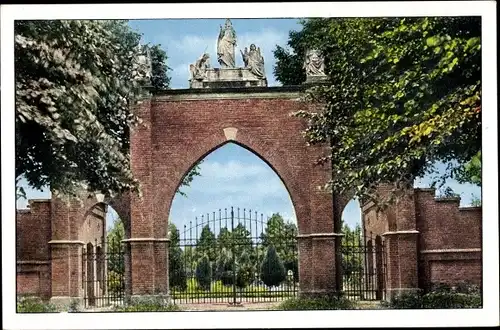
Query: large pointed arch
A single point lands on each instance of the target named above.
(271, 155)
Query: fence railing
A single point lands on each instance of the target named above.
(363, 267)
(233, 246)
(103, 269)
(226, 257)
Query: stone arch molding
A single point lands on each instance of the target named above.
(78, 211)
(230, 133)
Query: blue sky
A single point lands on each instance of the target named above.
(231, 175)
(185, 40)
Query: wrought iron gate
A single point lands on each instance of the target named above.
(363, 267)
(233, 256)
(103, 269)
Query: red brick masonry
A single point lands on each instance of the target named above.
(427, 240)
(442, 239)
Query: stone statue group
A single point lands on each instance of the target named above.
(226, 44)
(252, 58)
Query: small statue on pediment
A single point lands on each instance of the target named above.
(314, 63)
(254, 61)
(199, 69)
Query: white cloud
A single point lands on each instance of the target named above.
(186, 49)
(189, 45)
(266, 39)
(183, 51)
(233, 170)
(179, 74)
(235, 178)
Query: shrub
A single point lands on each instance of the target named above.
(204, 273)
(116, 284)
(224, 268)
(316, 304)
(442, 297)
(461, 287)
(218, 286)
(74, 306)
(272, 271)
(192, 285)
(405, 300)
(468, 288)
(34, 305)
(244, 276)
(438, 300)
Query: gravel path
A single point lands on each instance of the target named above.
(226, 307)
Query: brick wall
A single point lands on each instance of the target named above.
(449, 241)
(182, 127)
(33, 232)
(55, 269)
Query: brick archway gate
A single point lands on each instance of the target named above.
(423, 236)
(181, 127)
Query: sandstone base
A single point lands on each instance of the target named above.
(220, 78)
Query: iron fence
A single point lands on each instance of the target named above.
(363, 267)
(103, 269)
(233, 256)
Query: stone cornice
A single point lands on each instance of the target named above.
(320, 235)
(402, 232)
(145, 240)
(471, 250)
(33, 262)
(284, 92)
(67, 242)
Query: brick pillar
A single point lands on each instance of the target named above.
(66, 252)
(306, 275)
(318, 241)
(66, 263)
(402, 265)
(402, 249)
(148, 274)
(147, 270)
(317, 264)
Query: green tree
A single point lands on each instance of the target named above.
(245, 272)
(470, 172)
(282, 235)
(476, 201)
(288, 67)
(115, 258)
(20, 192)
(272, 271)
(189, 177)
(176, 266)
(403, 94)
(207, 244)
(190, 257)
(76, 84)
(159, 78)
(352, 260)
(224, 267)
(115, 246)
(241, 241)
(224, 238)
(204, 273)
